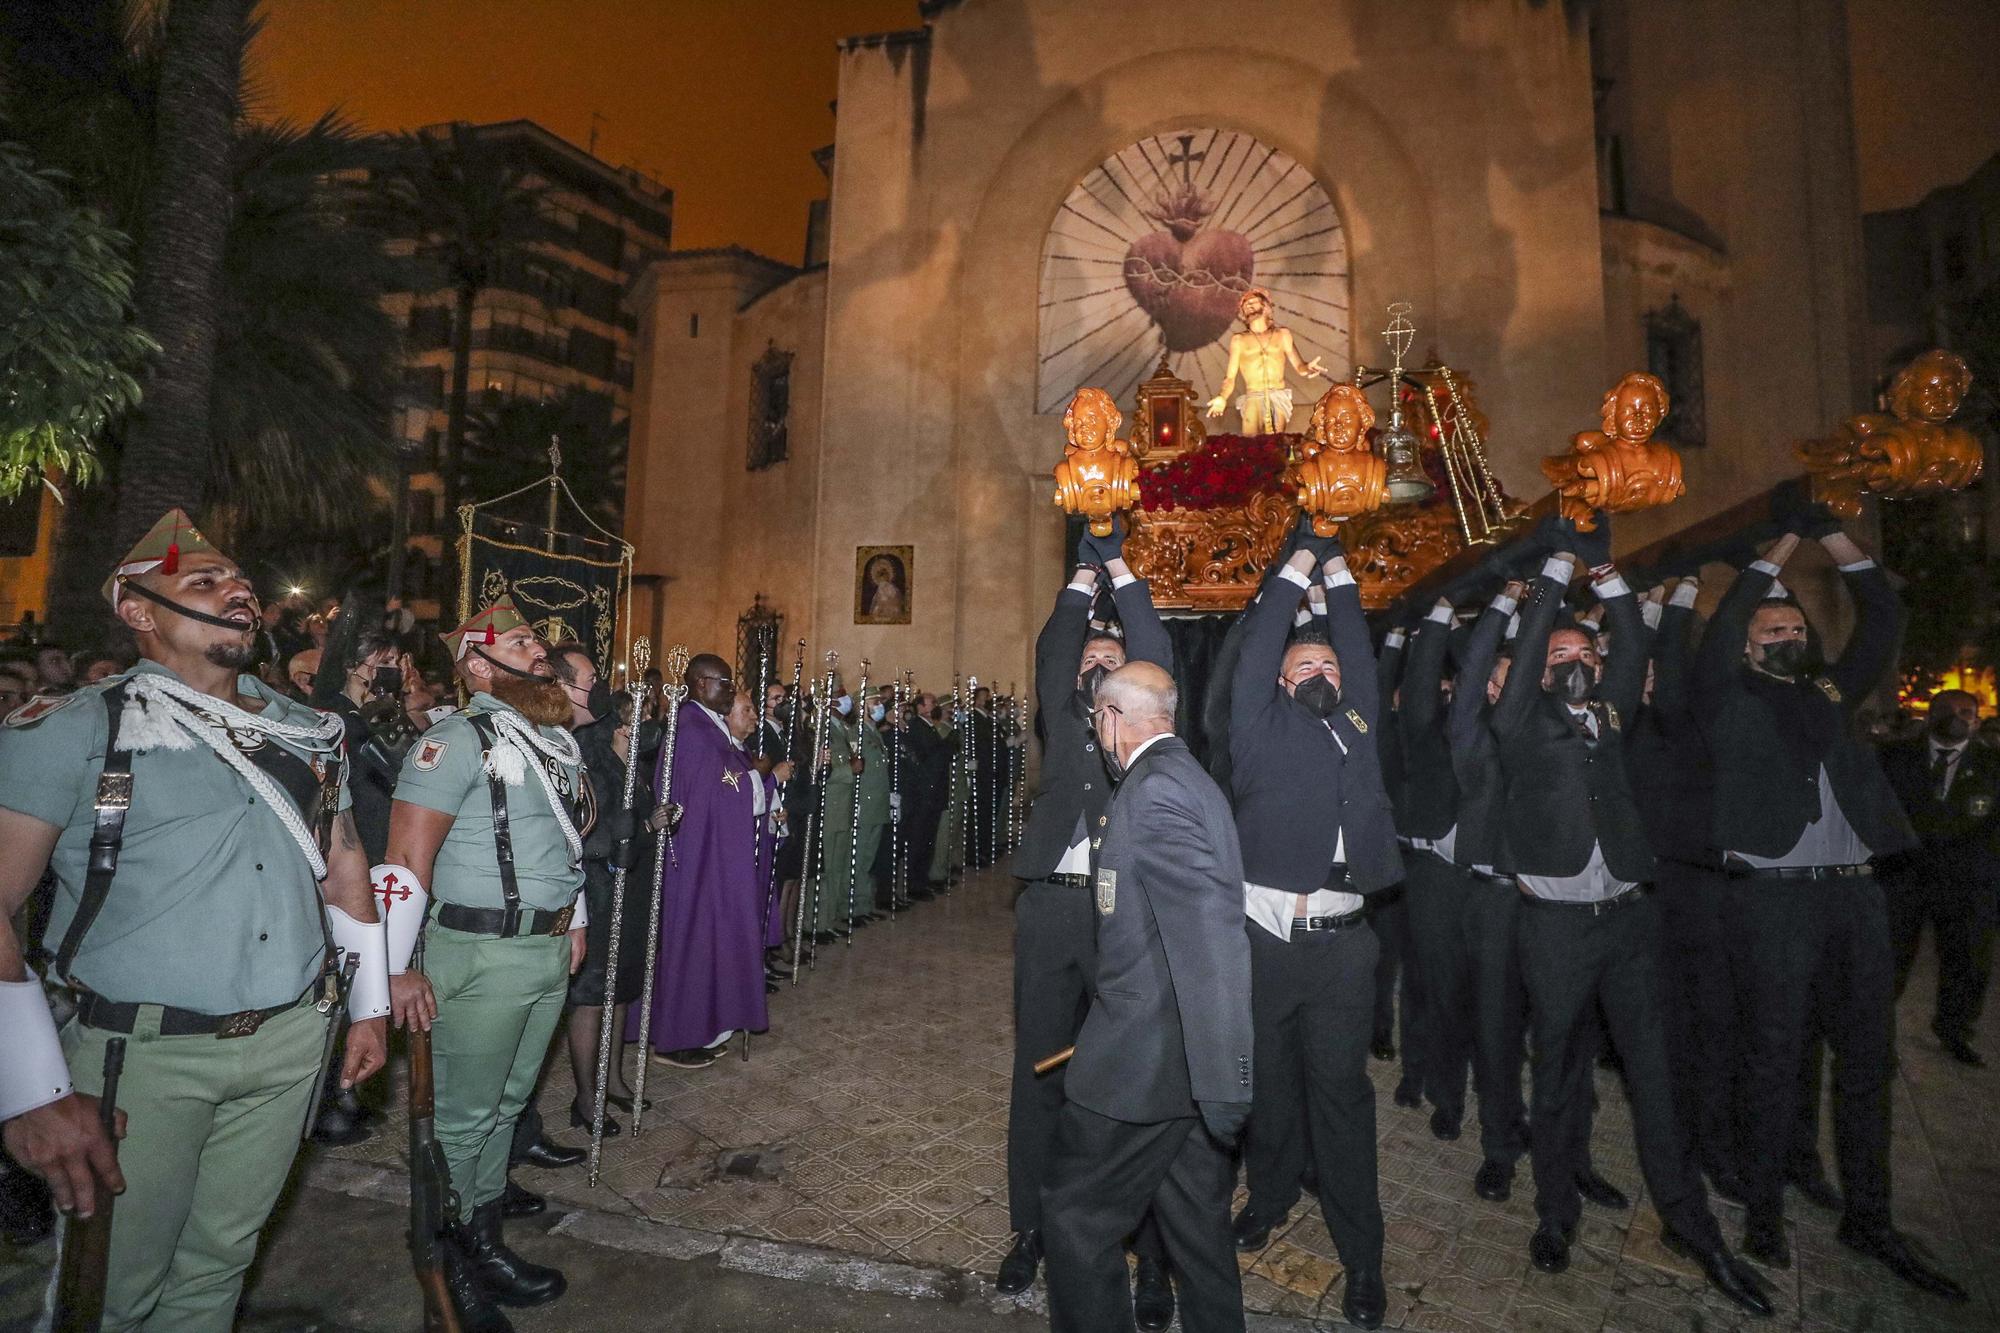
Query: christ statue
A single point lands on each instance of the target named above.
(1261, 352)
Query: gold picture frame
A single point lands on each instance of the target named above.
(883, 580)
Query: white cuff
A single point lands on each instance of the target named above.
(1337, 573)
(1441, 613)
(1513, 626)
(580, 917)
(1395, 638)
(1291, 574)
(367, 942)
(1611, 585)
(400, 901)
(1685, 593)
(1857, 566)
(1778, 589)
(1557, 568)
(1588, 626)
(1504, 604)
(1303, 618)
(1085, 588)
(1765, 567)
(32, 1072)
(1123, 580)
(1649, 611)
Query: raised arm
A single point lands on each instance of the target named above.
(1389, 661)
(1423, 699)
(1878, 621)
(1145, 633)
(1631, 644)
(1253, 684)
(1531, 645)
(1059, 647)
(1475, 667)
(1347, 631)
(1673, 653)
(1728, 630)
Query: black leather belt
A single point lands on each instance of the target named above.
(507, 923)
(1069, 881)
(1488, 876)
(93, 1010)
(1329, 924)
(1744, 870)
(1597, 907)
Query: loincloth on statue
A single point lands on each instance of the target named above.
(1275, 403)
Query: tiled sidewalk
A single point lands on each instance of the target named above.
(882, 1090)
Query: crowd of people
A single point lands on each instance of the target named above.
(1532, 831)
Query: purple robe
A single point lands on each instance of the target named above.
(710, 975)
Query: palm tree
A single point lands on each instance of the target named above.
(507, 447)
(187, 211)
(472, 211)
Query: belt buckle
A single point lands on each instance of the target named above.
(561, 925)
(241, 1024)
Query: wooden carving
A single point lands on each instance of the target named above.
(1338, 475)
(1098, 477)
(1905, 452)
(1618, 467)
(1209, 559)
(1390, 549)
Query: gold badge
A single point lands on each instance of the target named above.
(1980, 806)
(1107, 891)
(1828, 688)
(1355, 718)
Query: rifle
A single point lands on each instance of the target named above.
(432, 1202)
(86, 1246)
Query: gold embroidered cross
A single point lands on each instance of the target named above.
(730, 778)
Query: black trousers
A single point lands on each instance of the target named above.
(1703, 1031)
(1960, 912)
(1572, 959)
(1462, 929)
(1398, 984)
(1797, 944)
(1105, 1176)
(1055, 957)
(1311, 1007)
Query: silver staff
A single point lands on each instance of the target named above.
(816, 816)
(642, 656)
(791, 748)
(673, 689)
(854, 830)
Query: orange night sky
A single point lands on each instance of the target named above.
(724, 100)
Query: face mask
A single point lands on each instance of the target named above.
(599, 701)
(1320, 696)
(1951, 727)
(877, 713)
(1574, 682)
(1087, 688)
(386, 680)
(844, 704)
(1787, 657)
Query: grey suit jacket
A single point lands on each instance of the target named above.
(1169, 1021)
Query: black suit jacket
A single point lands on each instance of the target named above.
(1958, 836)
(1169, 1021)
(1475, 755)
(930, 766)
(1768, 738)
(1429, 806)
(1666, 757)
(1562, 794)
(1295, 789)
(1074, 787)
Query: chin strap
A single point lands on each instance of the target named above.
(512, 671)
(160, 599)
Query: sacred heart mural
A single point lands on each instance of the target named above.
(1152, 250)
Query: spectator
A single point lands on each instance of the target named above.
(52, 664)
(299, 672)
(93, 667)
(17, 685)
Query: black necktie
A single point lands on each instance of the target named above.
(1941, 774)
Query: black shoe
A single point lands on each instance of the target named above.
(544, 1152)
(923, 895)
(695, 1058)
(1382, 1048)
(1600, 1191)
(1408, 1094)
(1495, 1181)
(1017, 1270)
(336, 1128)
(1444, 1125)
(1366, 1300)
(578, 1120)
(777, 972)
(1152, 1296)
(824, 937)
(1728, 1276)
(1765, 1242)
(1889, 1246)
(518, 1202)
(475, 1309)
(503, 1274)
(1817, 1189)
(1252, 1231)
(1549, 1248)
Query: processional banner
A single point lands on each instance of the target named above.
(568, 586)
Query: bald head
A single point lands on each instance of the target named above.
(1134, 704)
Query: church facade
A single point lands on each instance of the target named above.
(1031, 196)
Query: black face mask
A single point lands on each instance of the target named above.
(1788, 657)
(1320, 696)
(1086, 688)
(386, 680)
(1573, 682)
(1951, 728)
(598, 701)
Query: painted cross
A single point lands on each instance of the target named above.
(391, 888)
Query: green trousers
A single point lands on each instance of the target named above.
(945, 855)
(498, 1002)
(211, 1128)
(841, 854)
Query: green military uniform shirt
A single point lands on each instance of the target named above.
(445, 771)
(874, 777)
(214, 907)
(840, 773)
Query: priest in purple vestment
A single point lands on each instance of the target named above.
(710, 978)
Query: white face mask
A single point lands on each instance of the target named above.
(877, 713)
(844, 704)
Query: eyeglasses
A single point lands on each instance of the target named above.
(728, 683)
(1105, 708)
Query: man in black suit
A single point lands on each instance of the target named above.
(1950, 788)
(1317, 835)
(1587, 932)
(1801, 809)
(928, 792)
(1055, 930)
(1160, 1085)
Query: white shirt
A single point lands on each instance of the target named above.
(1828, 841)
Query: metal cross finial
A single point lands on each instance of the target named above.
(673, 672)
(1399, 335)
(555, 454)
(642, 656)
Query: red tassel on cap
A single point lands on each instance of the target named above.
(172, 564)
(490, 639)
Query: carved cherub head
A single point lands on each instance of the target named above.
(1340, 419)
(1634, 408)
(1253, 303)
(1930, 388)
(1092, 420)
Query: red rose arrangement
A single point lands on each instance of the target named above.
(1228, 470)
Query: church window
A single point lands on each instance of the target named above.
(770, 408)
(1673, 352)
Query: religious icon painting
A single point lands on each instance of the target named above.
(882, 581)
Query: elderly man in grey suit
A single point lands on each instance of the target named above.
(1159, 1087)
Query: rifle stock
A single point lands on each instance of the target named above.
(431, 1201)
(86, 1250)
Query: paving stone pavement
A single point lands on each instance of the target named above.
(882, 1085)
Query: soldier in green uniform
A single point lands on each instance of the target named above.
(843, 770)
(488, 821)
(206, 867)
(874, 781)
(945, 857)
